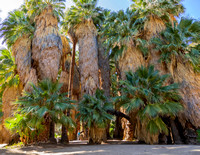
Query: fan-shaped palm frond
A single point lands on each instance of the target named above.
(163, 9)
(182, 41)
(144, 92)
(84, 10)
(93, 109)
(8, 75)
(44, 101)
(35, 7)
(120, 29)
(14, 26)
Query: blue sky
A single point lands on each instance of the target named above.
(192, 6)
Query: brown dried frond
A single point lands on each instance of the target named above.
(154, 26)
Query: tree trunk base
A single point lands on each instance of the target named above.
(97, 135)
(64, 137)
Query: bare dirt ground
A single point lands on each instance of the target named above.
(111, 148)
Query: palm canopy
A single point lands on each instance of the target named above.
(8, 76)
(35, 7)
(181, 41)
(15, 26)
(44, 102)
(120, 29)
(84, 10)
(160, 8)
(145, 92)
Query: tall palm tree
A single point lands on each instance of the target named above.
(46, 44)
(144, 93)
(156, 14)
(179, 48)
(17, 31)
(82, 19)
(122, 31)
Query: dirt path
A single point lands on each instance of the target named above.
(123, 148)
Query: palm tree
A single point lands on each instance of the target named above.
(80, 23)
(156, 14)
(46, 44)
(122, 31)
(93, 111)
(44, 104)
(179, 48)
(80, 18)
(145, 93)
(17, 31)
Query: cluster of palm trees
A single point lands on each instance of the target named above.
(116, 54)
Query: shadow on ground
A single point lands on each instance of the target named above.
(110, 148)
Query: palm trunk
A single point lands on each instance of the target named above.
(89, 69)
(52, 133)
(189, 80)
(10, 94)
(104, 68)
(47, 45)
(96, 135)
(88, 57)
(22, 53)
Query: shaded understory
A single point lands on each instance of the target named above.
(112, 147)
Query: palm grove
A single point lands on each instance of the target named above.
(135, 74)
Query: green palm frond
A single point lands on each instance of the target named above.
(8, 76)
(15, 26)
(181, 41)
(44, 100)
(84, 10)
(160, 8)
(35, 7)
(93, 109)
(145, 92)
(119, 29)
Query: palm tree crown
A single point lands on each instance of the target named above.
(15, 26)
(181, 41)
(44, 103)
(35, 7)
(144, 91)
(82, 11)
(8, 74)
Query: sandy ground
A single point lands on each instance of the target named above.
(113, 148)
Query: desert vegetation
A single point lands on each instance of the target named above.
(135, 73)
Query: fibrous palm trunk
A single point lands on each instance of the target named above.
(10, 94)
(22, 53)
(104, 73)
(184, 74)
(47, 47)
(104, 67)
(96, 135)
(88, 64)
(88, 57)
